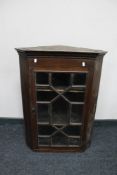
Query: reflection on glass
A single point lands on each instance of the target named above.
(74, 141)
(42, 111)
(76, 113)
(59, 139)
(44, 141)
(60, 111)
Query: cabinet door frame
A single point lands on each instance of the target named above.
(58, 65)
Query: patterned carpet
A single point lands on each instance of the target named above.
(17, 159)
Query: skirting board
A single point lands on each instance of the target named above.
(104, 122)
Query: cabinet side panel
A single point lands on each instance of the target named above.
(93, 99)
(25, 97)
(88, 104)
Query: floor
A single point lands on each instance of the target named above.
(17, 159)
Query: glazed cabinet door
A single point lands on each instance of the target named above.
(59, 92)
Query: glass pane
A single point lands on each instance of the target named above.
(74, 141)
(44, 141)
(72, 130)
(41, 78)
(60, 111)
(76, 113)
(45, 95)
(42, 111)
(59, 139)
(60, 79)
(75, 96)
(45, 130)
(79, 79)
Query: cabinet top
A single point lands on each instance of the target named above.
(61, 48)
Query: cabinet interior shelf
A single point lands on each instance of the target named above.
(48, 102)
(47, 123)
(59, 88)
(72, 136)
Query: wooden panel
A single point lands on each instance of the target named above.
(61, 48)
(70, 65)
(93, 98)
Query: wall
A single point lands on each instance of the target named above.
(81, 23)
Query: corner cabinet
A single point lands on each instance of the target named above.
(59, 91)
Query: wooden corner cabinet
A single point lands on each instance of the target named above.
(59, 91)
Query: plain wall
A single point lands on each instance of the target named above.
(79, 23)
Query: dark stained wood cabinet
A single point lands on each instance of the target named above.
(59, 91)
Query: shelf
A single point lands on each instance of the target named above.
(42, 102)
(42, 85)
(48, 102)
(75, 124)
(77, 103)
(79, 88)
(58, 125)
(43, 135)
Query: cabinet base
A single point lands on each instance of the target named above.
(61, 149)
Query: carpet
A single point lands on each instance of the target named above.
(17, 159)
